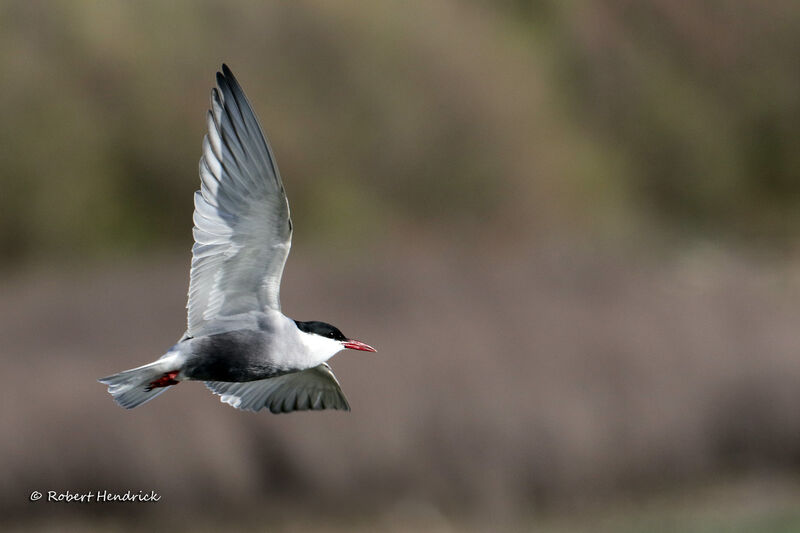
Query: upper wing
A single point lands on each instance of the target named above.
(315, 388)
(242, 229)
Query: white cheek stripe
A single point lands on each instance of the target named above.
(297, 349)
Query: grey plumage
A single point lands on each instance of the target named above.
(242, 226)
(312, 389)
(231, 356)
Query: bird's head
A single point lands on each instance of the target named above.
(326, 335)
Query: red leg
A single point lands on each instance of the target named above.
(164, 381)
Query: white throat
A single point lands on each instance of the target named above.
(319, 348)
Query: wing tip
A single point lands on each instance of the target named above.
(221, 81)
(225, 78)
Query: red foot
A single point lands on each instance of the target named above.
(164, 381)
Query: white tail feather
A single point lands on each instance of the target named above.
(130, 388)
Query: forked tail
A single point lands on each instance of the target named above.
(136, 386)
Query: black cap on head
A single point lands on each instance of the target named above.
(322, 329)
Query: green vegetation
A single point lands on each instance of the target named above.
(532, 115)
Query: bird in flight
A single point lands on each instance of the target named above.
(237, 339)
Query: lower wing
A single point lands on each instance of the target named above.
(312, 389)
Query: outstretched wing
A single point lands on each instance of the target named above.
(242, 229)
(312, 389)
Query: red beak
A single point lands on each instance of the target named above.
(358, 345)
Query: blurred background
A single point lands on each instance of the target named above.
(570, 228)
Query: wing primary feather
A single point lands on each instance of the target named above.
(250, 119)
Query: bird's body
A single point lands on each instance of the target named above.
(237, 339)
(273, 346)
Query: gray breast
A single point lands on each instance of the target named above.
(241, 355)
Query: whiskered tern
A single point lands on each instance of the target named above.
(237, 340)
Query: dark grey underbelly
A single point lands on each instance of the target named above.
(231, 356)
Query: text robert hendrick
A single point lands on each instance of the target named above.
(100, 496)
